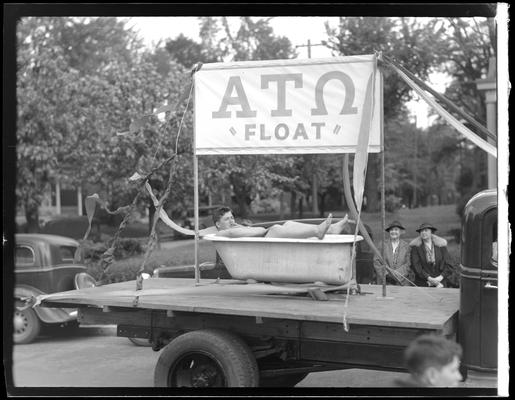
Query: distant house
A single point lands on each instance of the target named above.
(58, 200)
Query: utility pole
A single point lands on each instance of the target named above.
(415, 201)
(314, 186)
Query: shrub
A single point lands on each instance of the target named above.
(74, 227)
(128, 247)
(392, 203)
(93, 251)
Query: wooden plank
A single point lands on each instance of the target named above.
(383, 356)
(425, 308)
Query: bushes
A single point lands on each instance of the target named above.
(74, 227)
(392, 203)
(125, 248)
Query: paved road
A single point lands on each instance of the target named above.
(93, 357)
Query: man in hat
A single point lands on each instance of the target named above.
(397, 258)
(430, 259)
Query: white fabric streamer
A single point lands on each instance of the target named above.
(481, 143)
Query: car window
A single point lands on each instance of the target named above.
(25, 256)
(489, 242)
(67, 253)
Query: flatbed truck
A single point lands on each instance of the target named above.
(237, 334)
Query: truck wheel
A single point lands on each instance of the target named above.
(26, 325)
(206, 358)
(288, 380)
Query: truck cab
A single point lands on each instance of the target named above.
(478, 325)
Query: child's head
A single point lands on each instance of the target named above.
(434, 360)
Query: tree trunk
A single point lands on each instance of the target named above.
(293, 204)
(241, 200)
(322, 205)
(301, 207)
(32, 217)
(151, 212)
(281, 206)
(314, 190)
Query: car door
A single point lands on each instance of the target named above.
(488, 292)
(28, 267)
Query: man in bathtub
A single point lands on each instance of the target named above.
(225, 225)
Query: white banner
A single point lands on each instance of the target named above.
(285, 106)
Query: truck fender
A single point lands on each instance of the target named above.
(45, 314)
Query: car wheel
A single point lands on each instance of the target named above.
(26, 325)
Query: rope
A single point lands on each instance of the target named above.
(389, 62)
(461, 128)
(361, 159)
(403, 278)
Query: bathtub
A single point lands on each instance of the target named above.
(287, 260)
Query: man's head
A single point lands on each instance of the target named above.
(434, 361)
(223, 218)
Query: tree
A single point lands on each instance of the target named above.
(409, 42)
(472, 44)
(187, 52)
(68, 118)
(248, 176)
(44, 86)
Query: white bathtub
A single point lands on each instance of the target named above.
(287, 260)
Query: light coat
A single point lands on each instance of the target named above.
(402, 266)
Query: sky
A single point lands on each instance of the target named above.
(298, 29)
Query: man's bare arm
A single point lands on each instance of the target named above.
(243, 231)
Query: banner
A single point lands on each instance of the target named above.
(285, 106)
(361, 158)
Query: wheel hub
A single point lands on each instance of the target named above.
(197, 370)
(20, 322)
(204, 376)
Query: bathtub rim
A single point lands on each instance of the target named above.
(333, 239)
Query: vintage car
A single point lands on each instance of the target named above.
(44, 264)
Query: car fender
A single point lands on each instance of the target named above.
(45, 314)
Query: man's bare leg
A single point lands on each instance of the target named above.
(337, 227)
(297, 230)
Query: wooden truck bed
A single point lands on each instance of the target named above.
(282, 318)
(409, 307)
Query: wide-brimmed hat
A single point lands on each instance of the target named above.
(394, 224)
(425, 225)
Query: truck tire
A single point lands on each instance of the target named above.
(206, 358)
(26, 325)
(287, 380)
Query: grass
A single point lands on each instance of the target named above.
(182, 252)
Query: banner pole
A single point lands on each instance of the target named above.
(195, 191)
(383, 212)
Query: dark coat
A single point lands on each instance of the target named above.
(442, 266)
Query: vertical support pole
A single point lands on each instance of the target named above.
(58, 198)
(195, 191)
(383, 212)
(79, 200)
